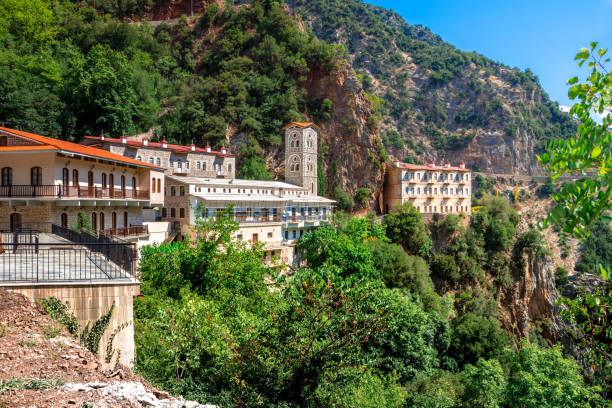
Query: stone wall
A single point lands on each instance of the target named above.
(89, 302)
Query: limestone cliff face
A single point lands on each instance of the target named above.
(349, 148)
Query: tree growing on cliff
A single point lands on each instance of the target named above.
(405, 227)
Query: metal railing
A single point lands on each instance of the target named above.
(127, 231)
(59, 262)
(61, 191)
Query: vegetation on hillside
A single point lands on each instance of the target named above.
(451, 96)
(68, 70)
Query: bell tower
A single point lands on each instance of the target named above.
(301, 155)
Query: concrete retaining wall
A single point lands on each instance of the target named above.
(90, 301)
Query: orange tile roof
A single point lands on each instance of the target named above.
(26, 148)
(301, 124)
(51, 144)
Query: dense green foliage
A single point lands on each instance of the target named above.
(596, 248)
(405, 227)
(67, 70)
(359, 326)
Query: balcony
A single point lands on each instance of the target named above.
(131, 231)
(256, 219)
(59, 191)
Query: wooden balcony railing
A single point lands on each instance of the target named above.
(61, 191)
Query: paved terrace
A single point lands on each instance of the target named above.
(57, 259)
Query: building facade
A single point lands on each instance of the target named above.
(47, 181)
(431, 189)
(175, 159)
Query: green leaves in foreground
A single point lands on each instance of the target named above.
(587, 157)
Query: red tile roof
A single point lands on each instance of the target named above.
(426, 167)
(49, 143)
(176, 148)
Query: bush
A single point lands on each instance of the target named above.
(561, 278)
(475, 336)
(362, 195)
(444, 266)
(344, 201)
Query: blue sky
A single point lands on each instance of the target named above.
(543, 35)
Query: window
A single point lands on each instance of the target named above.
(94, 221)
(172, 191)
(182, 212)
(134, 184)
(101, 221)
(125, 220)
(104, 184)
(158, 185)
(139, 158)
(158, 161)
(173, 213)
(7, 176)
(123, 183)
(239, 236)
(198, 165)
(269, 235)
(229, 168)
(180, 164)
(114, 221)
(153, 185)
(90, 179)
(187, 164)
(182, 190)
(64, 220)
(36, 176)
(164, 212)
(75, 177)
(204, 166)
(3, 141)
(255, 238)
(151, 160)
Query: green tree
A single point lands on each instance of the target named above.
(542, 377)
(405, 227)
(344, 201)
(485, 384)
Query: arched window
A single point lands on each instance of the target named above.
(114, 221)
(125, 220)
(75, 178)
(94, 221)
(123, 184)
(7, 176)
(102, 221)
(153, 185)
(159, 185)
(104, 183)
(90, 179)
(151, 160)
(65, 177)
(134, 184)
(64, 220)
(36, 176)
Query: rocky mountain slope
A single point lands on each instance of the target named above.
(440, 102)
(42, 365)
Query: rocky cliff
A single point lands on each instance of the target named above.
(440, 102)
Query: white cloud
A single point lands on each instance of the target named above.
(599, 116)
(564, 108)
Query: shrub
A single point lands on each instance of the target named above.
(362, 195)
(344, 201)
(405, 227)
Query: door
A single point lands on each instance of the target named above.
(101, 221)
(122, 186)
(64, 220)
(111, 184)
(90, 185)
(94, 221)
(114, 221)
(65, 181)
(15, 221)
(125, 220)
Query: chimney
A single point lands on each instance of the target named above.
(462, 165)
(223, 150)
(145, 142)
(102, 135)
(123, 139)
(208, 148)
(431, 163)
(447, 165)
(164, 144)
(396, 163)
(192, 147)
